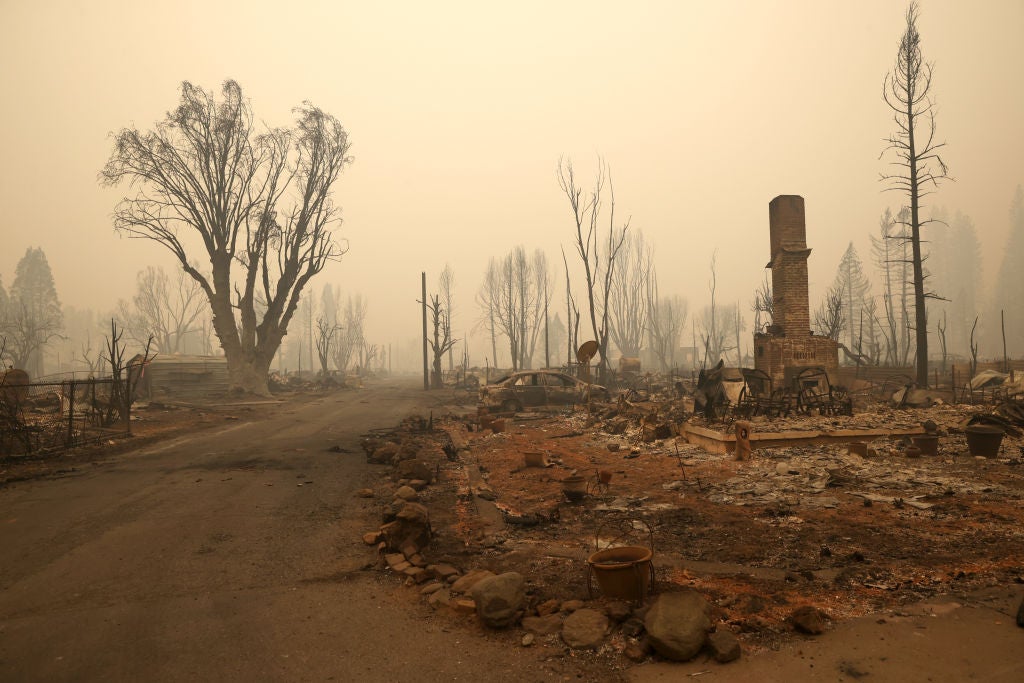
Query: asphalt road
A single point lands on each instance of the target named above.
(228, 555)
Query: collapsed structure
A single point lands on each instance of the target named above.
(788, 345)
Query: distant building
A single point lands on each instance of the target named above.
(182, 378)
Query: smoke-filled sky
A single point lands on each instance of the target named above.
(458, 113)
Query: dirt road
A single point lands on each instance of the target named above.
(229, 555)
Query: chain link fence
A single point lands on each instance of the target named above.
(41, 417)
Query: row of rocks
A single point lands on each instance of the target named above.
(677, 625)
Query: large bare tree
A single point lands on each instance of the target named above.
(442, 341)
(907, 91)
(163, 311)
(487, 298)
(256, 204)
(630, 310)
(665, 324)
(829, 319)
(446, 287)
(512, 295)
(350, 340)
(598, 252)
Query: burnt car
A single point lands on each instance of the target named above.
(538, 388)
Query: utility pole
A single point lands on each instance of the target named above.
(426, 372)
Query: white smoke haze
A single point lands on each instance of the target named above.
(459, 112)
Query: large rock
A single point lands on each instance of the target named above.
(440, 598)
(808, 619)
(543, 626)
(677, 625)
(500, 599)
(380, 453)
(406, 493)
(415, 469)
(464, 584)
(724, 646)
(585, 629)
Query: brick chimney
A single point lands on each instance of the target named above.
(788, 345)
(788, 231)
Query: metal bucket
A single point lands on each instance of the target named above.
(984, 440)
(624, 572)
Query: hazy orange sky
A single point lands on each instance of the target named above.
(459, 111)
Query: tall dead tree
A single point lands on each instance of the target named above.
(487, 300)
(762, 305)
(572, 312)
(829, 319)
(629, 312)
(256, 204)
(325, 334)
(665, 323)
(907, 92)
(162, 310)
(446, 287)
(882, 251)
(598, 254)
(441, 341)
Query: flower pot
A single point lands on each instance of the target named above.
(534, 459)
(574, 488)
(928, 443)
(625, 572)
(984, 440)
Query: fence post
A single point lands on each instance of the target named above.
(71, 416)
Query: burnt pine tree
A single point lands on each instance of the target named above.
(257, 202)
(907, 91)
(853, 286)
(34, 315)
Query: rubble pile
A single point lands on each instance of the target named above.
(746, 552)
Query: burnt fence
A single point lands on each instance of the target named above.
(41, 417)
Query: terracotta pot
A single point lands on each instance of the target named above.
(534, 459)
(928, 443)
(574, 487)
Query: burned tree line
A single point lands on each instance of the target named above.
(248, 213)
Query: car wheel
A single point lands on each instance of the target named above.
(510, 406)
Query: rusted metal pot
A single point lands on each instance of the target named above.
(624, 572)
(984, 440)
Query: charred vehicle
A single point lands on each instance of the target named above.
(538, 388)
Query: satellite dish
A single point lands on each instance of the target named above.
(586, 352)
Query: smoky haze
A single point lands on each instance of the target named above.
(459, 112)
